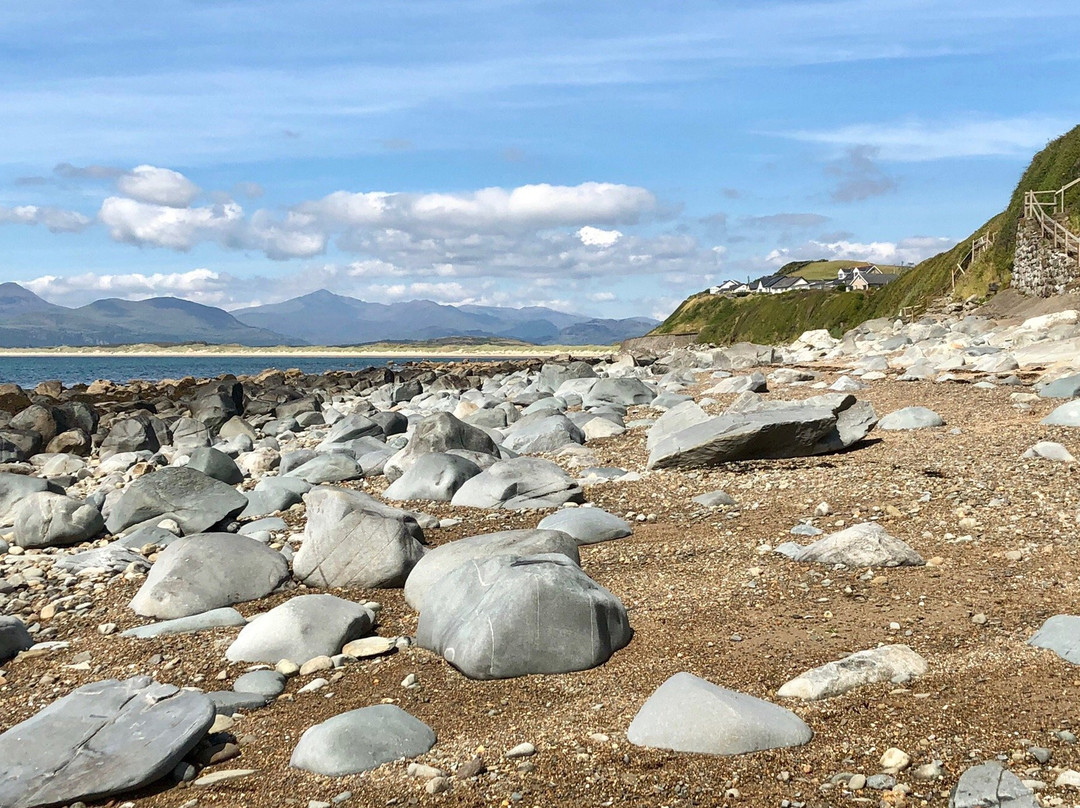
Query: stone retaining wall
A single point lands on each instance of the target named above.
(1038, 268)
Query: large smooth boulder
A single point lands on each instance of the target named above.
(197, 502)
(353, 540)
(586, 525)
(1068, 414)
(689, 714)
(216, 464)
(675, 420)
(301, 629)
(275, 494)
(326, 468)
(14, 638)
(189, 434)
(361, 740)
(548, 433)
(863, 545)
(352, 427)
(440, 432)
(140, 432)
(990, 785)
(208, 571)
(448, 557)
(512, 616)
(38, 419)
(436, 476)
(46, 519)
(519, 483)
(1060, 634)
(101, 739)
(767, 430)
(1065, 387)
(14, 488)
(217, 402)
(889, 663)
(624, 392)
(910, 418)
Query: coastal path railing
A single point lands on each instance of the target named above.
(1042, 207)
(979, 245)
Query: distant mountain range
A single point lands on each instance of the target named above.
(320, 318)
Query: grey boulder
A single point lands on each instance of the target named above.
(267, 684)
(586, 525)
(448, 557)
(546, 434)
(14, 638)
(624, 392)
(767, 430)
(361, 740)
(102, 739)
(1068, 414)
(519, 483)
(208, 571)
(216, 464)
(1065, 387)
(689, 714)
(991, 786)
(113, 557)
(910, 418)
(215, 618)
(440, 432)
(512, 616)
(301, 629)
(327, 468)
(714, 499)
(14, 488)
(352, 539)
(435, 476)
(195, 501)
(863, 545)
(46, 519)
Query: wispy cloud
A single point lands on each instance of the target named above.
(857, 176)
(918, 141)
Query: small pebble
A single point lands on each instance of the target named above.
(522, 750)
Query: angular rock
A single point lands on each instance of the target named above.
(768, 430)
(101, 739)
(889, 663)
(863, 545)
(1065, 387)
(300, 629)
(435, 476)
(586, 525)
(910, 418)
(134, 434)
(754, 383)
(361, 740)
(519, 483)
(114, 557)
(1048, 450)
(208, 571)
(446, 558)
(54, 520)
(353, 540)
(195, 501)
(991, 786)
(510, 616)
(1060, 634)
(689, 714)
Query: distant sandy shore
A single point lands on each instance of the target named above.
(392, 352)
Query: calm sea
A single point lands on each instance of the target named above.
(27, 372)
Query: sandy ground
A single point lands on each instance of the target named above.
(705, 596)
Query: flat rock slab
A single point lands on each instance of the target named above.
(102, 739)
(991, 786)
(510, 616)
(1060, 634)
(215, 618)
(197, 502)
(228, 702)
(889, 663)
(587, 525)
(300, 629)
(864, 545)
(446, 558)
(910, 418)
(689, 714)
(361, 740)
(208, 571)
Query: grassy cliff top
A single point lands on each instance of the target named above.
(781, 318)
(823, 270)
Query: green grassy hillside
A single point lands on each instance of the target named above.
(781, 318)
(823, 270)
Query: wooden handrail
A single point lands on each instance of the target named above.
(979, 245)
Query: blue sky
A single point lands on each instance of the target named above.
(604, 157)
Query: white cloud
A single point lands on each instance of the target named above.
(595, 237)
(201, 285)
(158, 186)
(909, 250)
(142, 223)
(56, 220)
(918, 141)
(602, 297)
